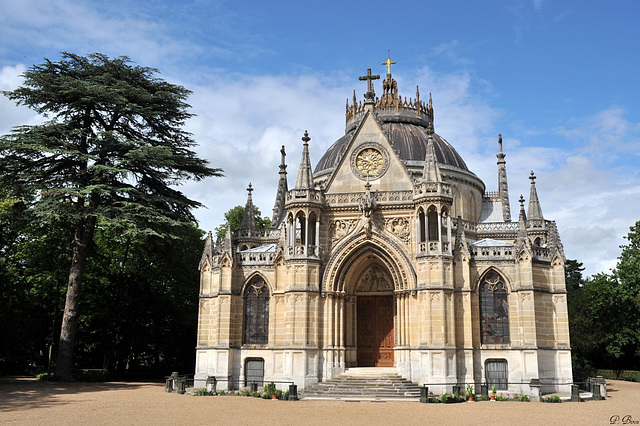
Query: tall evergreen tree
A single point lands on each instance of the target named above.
(111, 153)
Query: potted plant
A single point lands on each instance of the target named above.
(469, 393)
(494, 391)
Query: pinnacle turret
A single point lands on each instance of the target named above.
(503, 187)
(249, 219)
(281, 195)
(305, 173)
(523, 216)
(534, 210)
(431, 171)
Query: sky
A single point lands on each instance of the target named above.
(558, 79)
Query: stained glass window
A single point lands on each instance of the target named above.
(256, 312)
(494, 311)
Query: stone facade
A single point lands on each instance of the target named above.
(390, 253)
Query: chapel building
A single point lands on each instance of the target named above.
(391, 253)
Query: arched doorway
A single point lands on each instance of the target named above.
(375, 317)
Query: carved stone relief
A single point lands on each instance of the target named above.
(375, 279)
(341, 228)
(399, 226)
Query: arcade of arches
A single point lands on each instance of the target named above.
(390, 252)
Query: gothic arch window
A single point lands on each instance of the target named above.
(312, 228)
(432, 223)
(300, 228)
(494, 311)
(421, 220)
(256, 312)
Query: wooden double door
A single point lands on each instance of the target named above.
(375, 331)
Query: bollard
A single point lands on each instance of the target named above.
(575, 393)
(595, 390)
(293, 392)
(424, 394)
(536, 390)
(254, 387)
(182, 384)
(168, 386)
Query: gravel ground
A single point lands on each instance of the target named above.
(28, 401)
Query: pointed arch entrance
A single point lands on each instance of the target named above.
(362, 279)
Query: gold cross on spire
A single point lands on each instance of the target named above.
(388, 63)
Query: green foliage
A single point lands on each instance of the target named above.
(113, 148)
(604, 311)
(553, 399)
(111, 155)
(234, 217)
(91, 375)
(628, 375)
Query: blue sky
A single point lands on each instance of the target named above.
(559, 80)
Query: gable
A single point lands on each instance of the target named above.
(350, 175)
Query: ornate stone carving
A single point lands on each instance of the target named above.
(399, 226)
(375, 279)
(369, 161)
(340, 228)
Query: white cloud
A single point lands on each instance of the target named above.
(10, 114)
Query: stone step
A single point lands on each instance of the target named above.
(364, 383)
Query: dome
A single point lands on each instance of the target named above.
(409, 141)
(404, 122)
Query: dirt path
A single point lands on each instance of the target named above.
(27, 401)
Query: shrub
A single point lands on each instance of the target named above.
(91, 375)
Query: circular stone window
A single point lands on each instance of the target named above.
(369, 161)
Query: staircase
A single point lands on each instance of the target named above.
(364, 383)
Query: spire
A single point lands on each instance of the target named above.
(249, 219)
(534, 210)
(228, 239)
(523, 216)
(503, 187)
(305, 175)
(431, 172)
(283, 187)
(208, 252)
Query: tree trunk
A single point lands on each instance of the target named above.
(80, 251)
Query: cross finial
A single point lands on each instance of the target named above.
(369, 78)
(388, 63)
(533, 178)
(250, 189)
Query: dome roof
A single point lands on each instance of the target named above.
(409, 141)
(404, 122)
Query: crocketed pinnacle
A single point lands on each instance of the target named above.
(283, 187)
(431, 172)
(305, 173)
(503, 186)
(523, 216)
(534, 211)
(249, 220)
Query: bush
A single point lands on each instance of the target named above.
(628, 375)
(91, 375)
(553, 399)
